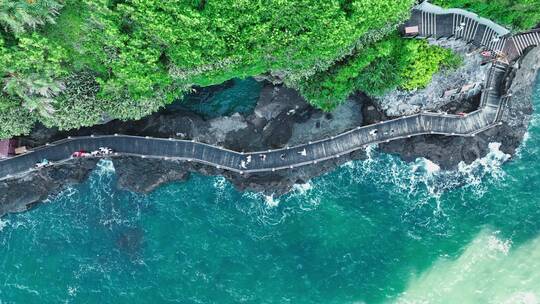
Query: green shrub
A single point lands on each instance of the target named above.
(421, 61)
(14, 120)
(31, 71)
(77, 106)
(378, 68)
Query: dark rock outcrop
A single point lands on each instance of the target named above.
(19, 194)
(148, 173)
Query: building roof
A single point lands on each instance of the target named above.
(435, 9)
(7, 147)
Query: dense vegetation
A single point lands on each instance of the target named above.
(519, 14)
(72, 63)
(379, 67)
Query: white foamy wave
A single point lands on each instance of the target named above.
(526, 137)
(384, 171)
(522, 297)
(424, 181)
(371, 151)
(424, 166)
(306, 197)
(66, 193)
(490, 165)
(220, 183)
(252, 195)
(524, 145)
(302, 189)
(24, 288)
(265, 209)
(371, 158)
(3, 224)
(270, 201)
(273, 210)
(105, 166)
(300, 192)
(496, 244)
(431, 167)
(72, 291)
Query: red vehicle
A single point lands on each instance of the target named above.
(78, 154)
(489, 54)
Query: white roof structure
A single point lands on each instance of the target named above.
(435, 9)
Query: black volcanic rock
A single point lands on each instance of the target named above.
(19, 194)
(143, 175)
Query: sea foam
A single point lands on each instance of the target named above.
(3, 224)
(105, 166)
(489, 270)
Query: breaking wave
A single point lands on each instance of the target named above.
(271, 209)
(105, 166)
(3, 224)
(423, 178)
(418, 184)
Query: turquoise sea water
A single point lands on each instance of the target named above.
(377, 231)
(241, 97)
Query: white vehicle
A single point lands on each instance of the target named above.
(373, 132)
(44, 163)
(105, 151)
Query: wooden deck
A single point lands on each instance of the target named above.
(432, 22)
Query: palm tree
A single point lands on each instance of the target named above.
(17, 16)
(36, 92)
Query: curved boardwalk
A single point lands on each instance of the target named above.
(432, 21)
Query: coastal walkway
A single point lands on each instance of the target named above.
(432, 22)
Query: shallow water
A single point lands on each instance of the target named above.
(241, 97)
(373, 231)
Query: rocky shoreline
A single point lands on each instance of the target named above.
(281, 117)
(448, 152)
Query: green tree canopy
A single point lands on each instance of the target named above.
(19, 16)
(124, 59)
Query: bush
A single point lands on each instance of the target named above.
(421, 61)
(378, 68)
(14, 120)
(161, 45)
(31, 71)
(77, 106)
